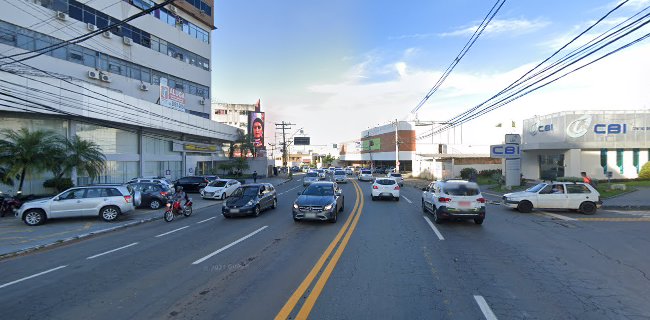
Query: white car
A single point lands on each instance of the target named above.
(220, 189)
(310, 178)
(398, 177)
(454, 199)
(340, 176)
(385, 188)
(365, 175)
(555, 195)
(349, 171)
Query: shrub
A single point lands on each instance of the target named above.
(569, 179)
(59, 184)
(645, 171)
(489, 173)
(466, 173)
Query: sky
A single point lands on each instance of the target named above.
(336, 68)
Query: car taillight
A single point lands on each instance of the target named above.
(443, 199)
(163, 193)
(375, 187)
(128, 199)
(396, 188)
(481, 200)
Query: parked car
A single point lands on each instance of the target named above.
(340, 176)
(106, 201)
(250, 199)
(398, 177)
(192, 183)
(556, 195)
(310, 178)
(365, 175)
(160, 180)
(220, 189)
(211, 177)
(380, 170)
(295, 169)
(319, 201)
(385, 188)
(454, 199)
(154, 195)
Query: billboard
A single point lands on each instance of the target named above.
(171, 97)
(371, 144)
(256, 128)
(301, 141)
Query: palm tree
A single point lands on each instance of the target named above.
(25, 151)
(86, 156)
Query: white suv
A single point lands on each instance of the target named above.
(454, 199)
(398, 177)
(106, 201)
(555, 195)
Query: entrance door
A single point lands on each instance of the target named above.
(551, 166)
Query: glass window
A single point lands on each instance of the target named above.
(461, 189)
(103, 62)
(155, 43)
(75, 11)
(60, 5)
(60, 53)
(25, 41)
(102, 21)
(163, 46)
(577, 188)
(75, 54)
(89, 16)
(72, 194)
(90, 59)
(145, 75)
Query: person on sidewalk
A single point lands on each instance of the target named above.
(586, 179)
(255, 176)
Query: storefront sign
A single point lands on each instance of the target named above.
(171, 97)
(508, 151)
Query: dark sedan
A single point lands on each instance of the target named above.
(250, 199)
(154, 195)
(320, 201)
(192, 183)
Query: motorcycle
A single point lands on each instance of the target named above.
(8, 205)
(175, 208)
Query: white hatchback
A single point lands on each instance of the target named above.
(556, 195)
(365, 175)
(220, 189)
(385, 188)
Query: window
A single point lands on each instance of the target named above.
(577, 188)
(90, 59)
(73, 194)
(89, 16)
(25, 41)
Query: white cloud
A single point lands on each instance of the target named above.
(497, 26)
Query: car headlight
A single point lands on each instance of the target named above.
(295, 205)
(250, 203)
(328, 207)
(169, 204)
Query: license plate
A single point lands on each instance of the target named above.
(310, 215)
(234, 210)
(464, 203)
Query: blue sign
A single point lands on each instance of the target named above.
(508, 150)
(612, 128)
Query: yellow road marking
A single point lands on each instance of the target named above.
(320, 284)
(304, 285)
(615, 219)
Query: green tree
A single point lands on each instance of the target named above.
(240, 164)
(224, 166)
(328, 159)
(244, 144)
(85, 155)
(645, 171)
(4, 176)
(25, 152)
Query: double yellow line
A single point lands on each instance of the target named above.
(345, 233)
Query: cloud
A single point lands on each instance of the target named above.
(511, 26)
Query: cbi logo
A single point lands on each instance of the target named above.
(579, 127)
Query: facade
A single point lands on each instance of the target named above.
(233, 114)
(600, 143)
(110, 88)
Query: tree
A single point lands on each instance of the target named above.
(86, 156)
(244, 144)
(645, 171)
(4, 176)
(24, 151)
(240, 164)
(328, 159)
(224, 166)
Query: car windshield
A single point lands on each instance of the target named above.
(312, 174)
(246, 192)
(385, 182)
(461, 189)
(319, 190)
(536, 188)
(366, 172)
(398, 175)
(339, 172)
(218, 183)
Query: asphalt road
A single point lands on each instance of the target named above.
(381, 260)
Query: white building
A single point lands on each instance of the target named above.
(596, 142)
(233, 114)
(107, 88)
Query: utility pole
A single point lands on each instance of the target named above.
(396, 148)
(284, 126)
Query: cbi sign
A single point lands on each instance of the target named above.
(507, 150)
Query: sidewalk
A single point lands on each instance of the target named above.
(635, 200)
(17, 238)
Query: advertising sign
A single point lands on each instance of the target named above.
(256, 128)
(171, 97)
(371, 144)
(301, 141)
(507, 151)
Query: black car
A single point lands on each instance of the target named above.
(154, 195)
(192, 183)
(320, 201)
(250, 199)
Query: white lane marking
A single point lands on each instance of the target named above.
(208, 219)
(289, 190)
(32, 276)
(434, 229)
(557, 216)
(407, 199)
(485, 308)
(230, 245)
(166, 233)
(111, 251)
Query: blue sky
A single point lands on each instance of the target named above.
(354, 64)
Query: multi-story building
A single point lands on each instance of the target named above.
(233, 114)
(107, 89)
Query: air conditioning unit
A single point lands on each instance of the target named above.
(104, 77)
(38, 2)
(93, 74)
(144, 87)
(107, 34)
(173, 9)
(61, 15)
(202, 101)
(127, 41)
(91, 27)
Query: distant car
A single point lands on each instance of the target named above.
(250, 199)
(319, 201)
(310, 178)
(321, 174)
(105, 201)
(365, 175)
(165, 181)
(454, 199)
(295, 169)
(220, 189)
(211, 177)
(380, 170)
(398, 177)
(385, 188)
(349, 171)
(557, 195)
(340, 176)
(192, 183)
(154, 195)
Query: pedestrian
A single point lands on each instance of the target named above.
(255, 176)
(586, 179)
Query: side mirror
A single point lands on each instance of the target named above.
(299, 193)
(56, 198)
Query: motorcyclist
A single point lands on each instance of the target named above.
(180, 195)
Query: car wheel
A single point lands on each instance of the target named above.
(154, 204)
(256, 211)
(223, 196)
(342, 206)
(227, 216)
(424, 208)
(34, 217)
(109, 213)
(334, 218)
(275, 204)
(588, 208)
(436, 218)
(478, 221)
(396, 198)
(373, 197)
(525, 206)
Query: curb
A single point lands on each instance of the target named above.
(629, 207)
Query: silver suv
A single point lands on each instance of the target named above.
(107, 201)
